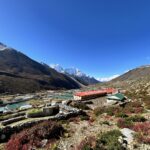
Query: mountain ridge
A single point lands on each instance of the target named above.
(135, 73)
(25, 69)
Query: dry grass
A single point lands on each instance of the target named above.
(79, 131)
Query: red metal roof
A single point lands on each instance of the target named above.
(96, 92)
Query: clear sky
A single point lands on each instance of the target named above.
(101, 37)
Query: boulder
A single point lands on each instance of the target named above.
(128, 133)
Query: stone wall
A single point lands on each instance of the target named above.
(6, 132)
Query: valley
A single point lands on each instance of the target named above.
(84, 122)
(51, 108)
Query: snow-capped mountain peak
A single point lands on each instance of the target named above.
(71, 71)
(75, 72)
(57, 67)
(2, 47)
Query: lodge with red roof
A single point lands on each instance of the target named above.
(93, 94)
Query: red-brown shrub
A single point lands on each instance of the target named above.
(143, 132)
(142, 127)
(133, 107)
(33, 137)
(123, 123)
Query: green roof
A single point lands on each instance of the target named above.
(64, 96)
(117, 96)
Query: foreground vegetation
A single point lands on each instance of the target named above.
(35, 137)
(97, 129)
(105, 141)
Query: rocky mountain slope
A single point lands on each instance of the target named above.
(136, 80)
(134, 74)
(76, 74)
(20, 74)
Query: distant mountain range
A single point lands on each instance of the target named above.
(21, 74)
(75, 73)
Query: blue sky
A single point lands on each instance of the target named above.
(101, 37)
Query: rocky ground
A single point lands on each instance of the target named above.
(80, 128)
(79, 131)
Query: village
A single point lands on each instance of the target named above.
(52, 104)
(22, 111)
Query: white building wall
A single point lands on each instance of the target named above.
(110, 102)
(77, 97)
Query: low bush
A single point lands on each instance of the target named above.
(32, 137)
(109, 141)
(143, 132)
(84, 117)
(147, 102)
(105, 141)
(142, 138)
(135, 104)
(1, 102)
(129, 108)
(123, 123)
(136, 118)
(99, 110)
(106, 122)
(130, 121)
(122, 112)
(121, 115)
(133, 107)
(80, 105)
(113, 110)
(7, 132)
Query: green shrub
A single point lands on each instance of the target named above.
(124, 123)
(1, 102)
(99, 110)
(84, 117)
(111, 111)
(106, 122)
(81, 106)
(86, 147)
(136, 118)
(121, 115)
(129, 121)
(109, 141)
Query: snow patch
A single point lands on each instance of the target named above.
(57, 67)
(106, 79)
(71, 71)
(2, 47)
